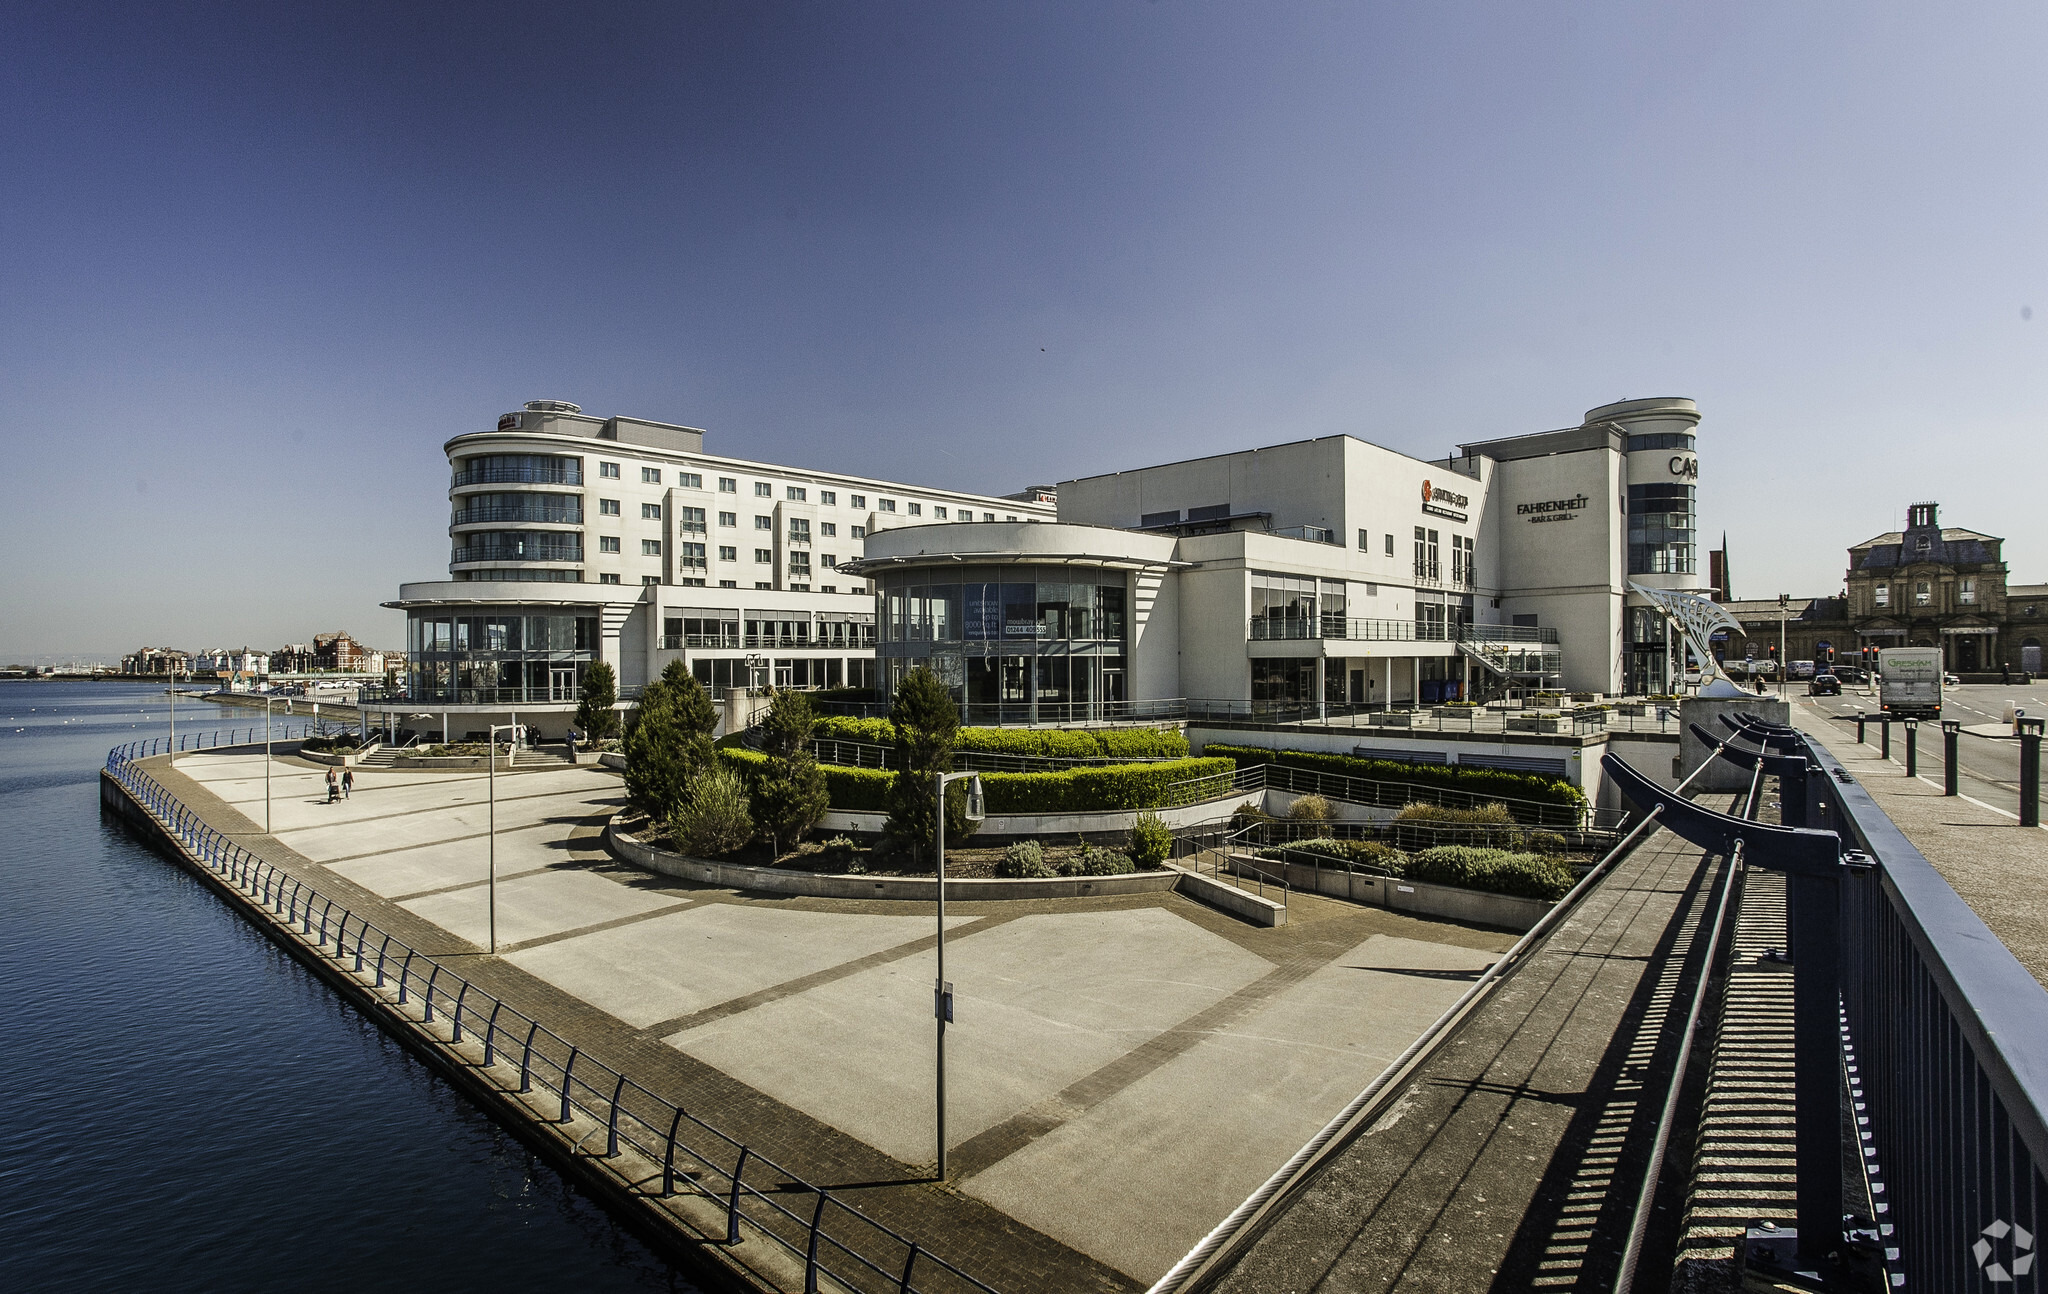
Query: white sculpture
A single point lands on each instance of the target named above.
(1697, 618)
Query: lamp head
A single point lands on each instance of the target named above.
(977, 808)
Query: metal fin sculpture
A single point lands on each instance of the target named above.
(1697, 618)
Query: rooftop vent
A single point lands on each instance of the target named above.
(552, 406)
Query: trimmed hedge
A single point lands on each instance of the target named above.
(857, 790)
(1059, 743)
(1106, 788)
(1483, 782)
(1493, 871)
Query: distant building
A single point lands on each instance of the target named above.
(1928, 585)
(245, 661)
(166, 661)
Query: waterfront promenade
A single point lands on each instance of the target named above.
(1122, 1071)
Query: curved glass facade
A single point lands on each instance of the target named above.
(1017, 644)
(502, 658)
(519, 546)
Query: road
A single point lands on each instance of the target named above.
(1989, 769)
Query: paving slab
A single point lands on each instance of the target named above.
(1126, 1182)
(711, 954)
(1040, 1002)
(537, 905)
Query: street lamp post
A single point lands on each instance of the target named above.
(491, 832)
(266, 765)
(1784, 662)
(942, 992)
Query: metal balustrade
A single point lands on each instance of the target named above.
(679, 1151)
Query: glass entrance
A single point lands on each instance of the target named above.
(562, 685)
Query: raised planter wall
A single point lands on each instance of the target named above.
(1420, 897)
(775, 880)
(1019, 826)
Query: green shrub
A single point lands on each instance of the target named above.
(1420, 826)
(1496, 871)
(1151, 841)
(1449, 777)
(1103, 788)
(715, 818)
(1090, 860)
(1546, 842)
(1363, 853)
(853, 790)
(1025, 859)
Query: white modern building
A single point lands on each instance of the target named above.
(575, 538)
(1325, 572)
(1332, 572)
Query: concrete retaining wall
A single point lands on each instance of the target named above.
(1254, 908)
(775, 880)
(1420, 897)
(998, 827)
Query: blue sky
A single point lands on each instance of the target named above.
(259, 262)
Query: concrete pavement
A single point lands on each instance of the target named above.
(1122, 1071)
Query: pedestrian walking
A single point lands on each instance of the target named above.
(333, 787)
(348, 782)
(2005, 674)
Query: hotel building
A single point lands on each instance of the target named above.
(1327, 572)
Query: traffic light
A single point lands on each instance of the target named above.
(1773, 650)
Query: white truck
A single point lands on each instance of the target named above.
(1909, 682)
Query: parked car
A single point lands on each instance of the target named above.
(1801, 669)
(1824, 685)
(1950, 680)
(1851, 674)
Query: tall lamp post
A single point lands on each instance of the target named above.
(1784, 662)
(491, 833)
(266, 765)
(942, 992)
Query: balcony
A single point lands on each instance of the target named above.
(548, 509)
(520, 474)
(520, 546)
(1280, 629)
(1312, 534)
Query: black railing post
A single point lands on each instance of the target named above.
(1884, 737)
(811, 1255)
(1912, 748)
(668, 1157)
(526, 1059)
(732, 1207)
(1950, 732)
(2030, 772)
(1814, 921)
(611, 1132)
(568, 1073)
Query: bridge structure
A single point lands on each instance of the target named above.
(1763, 1044)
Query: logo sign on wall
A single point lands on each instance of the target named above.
(1440, 502)
(1553, 509)
(511, 421)
(1685, 465)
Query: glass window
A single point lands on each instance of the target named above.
(857, 500)
(650, 548)
(607, 507)
(609, 471)
(1966, 591)
(885, 505)
(608, 577)
(692, 521)
(828, 528)
(799, 530)
(728, 518)
(764, 554)
(828, 561)
(727, 485)
(692, 556)
(1922, 595)
(650, 512)
(650, 476)
(763, 490)
(916, 509)
(796, 493)
(1660, 529)
(763, 522)
(828, 498)
(610, 544)
(728, 553)
(690, 480)
(1390, 545)
(1882, 594)
(860, 532)
(939, 511)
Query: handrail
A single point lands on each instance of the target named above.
(571, 1082)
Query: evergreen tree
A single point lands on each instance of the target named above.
(927, 723)
(658, 762)
(790, 796)
(595, 712)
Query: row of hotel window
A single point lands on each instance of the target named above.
(1429, 546)
(690, 521)
(546, 469)
(1923, 593)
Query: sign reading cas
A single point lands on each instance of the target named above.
(1685, 465)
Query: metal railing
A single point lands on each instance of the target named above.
(570, 473)
(1950, 1052)
(555, 509)
(553, 1078)
(522, 546)
(1292, 628)
(1208, 852)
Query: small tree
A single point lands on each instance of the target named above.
(926, 722)
(790, 797)
(596, 713)
(715, 818)
(694, 710)
(1151, 841)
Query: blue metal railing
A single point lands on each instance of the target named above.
(1951, 1054)
(829, 1236)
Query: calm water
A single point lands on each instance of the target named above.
(187, 1109)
